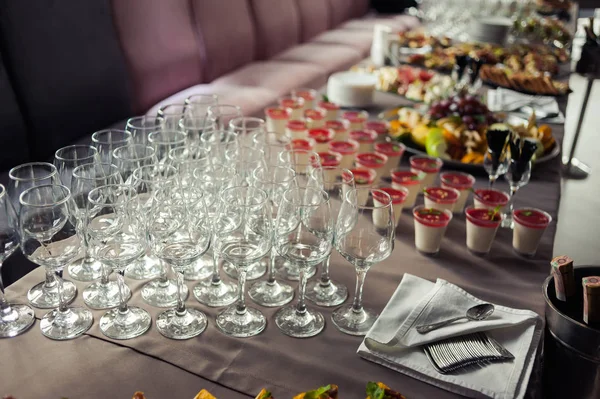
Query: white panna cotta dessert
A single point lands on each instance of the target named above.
(333, 110)
(365, 138)
(371, 160)
(530, 225)
(393, 152)
(430, 227)
(295, 104)
(491, 199)
(440, 198)
(363, 178)
(463, 182)
(309, 96)
(409, 179)
(296, 129)
(277, 119)
(315, 118)
(398, 196)
(341, 127)
(357, 119)
(322, 138)
(428, 165)
(482, 225)
(348, 149)
(330, 161)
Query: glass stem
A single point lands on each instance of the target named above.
(163, 273)
(62, 304)
(492, 181)
(180, 299)
(50, 280)
(301, 306)
(216, 278)
(271, 266)
(325, 281)
(104, 279)
(513, 191)
(5, 309)
(122, 291)
(241, 303)
(360, 282)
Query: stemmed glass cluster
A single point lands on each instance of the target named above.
(188, 194)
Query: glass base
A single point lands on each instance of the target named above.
(199, 270)
(173, 325)
(103, 296)
(332, 294)
(349, 321)
(144, 268)
(18, 320)
(299, 325)
(271, 294)
(125, 325)
(507, 222)
(287, 271)
(162, 293)
(241, 325)
(86, 269)
(219, 294)
(66, 325)
(44, 296)
(255, 270)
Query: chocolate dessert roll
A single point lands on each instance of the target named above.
(591, 299)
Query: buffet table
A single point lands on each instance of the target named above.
(95, 366)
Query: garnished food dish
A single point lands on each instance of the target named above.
(523, 81)
(541, 29)
(418, 39)
(264, 394)
(378, 390)
(326, 392)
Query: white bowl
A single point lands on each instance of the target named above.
(351, 89)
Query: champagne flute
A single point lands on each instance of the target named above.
(197, 104)
(516, 179)
(102, 294)
(243, 231)
(48, 238)
(179, 234)
(304, 237)
(274, 181)
(364, 237)
(43, 295)
(14, 318)
(107, 140)
(117, 238)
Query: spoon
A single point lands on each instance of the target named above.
(476, 313)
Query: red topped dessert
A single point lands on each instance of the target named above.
(303, 144)
(329, 106)
(457, 180)
(483, 217)
(398, 196)
(390, 149)
(291, 102)
(432, 217)
(338, 125)
(296, 125)
(532, 218)
(330, 158)
(406, 177)
(441, 195)
(356, 116)
(315, 113)
(363, 176)
(306, 94)
(489, 198)
(278, 113)
(344, 147)
(381, 127)
(363, 136)
(426, 164)
(321, 135)
(371, 160)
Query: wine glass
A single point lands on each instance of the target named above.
(164, 141)
(68, 158)
(102, 294)
(337, 182)
(179, 234)
(43, 295)
(221, 114)
(194, 126)
(517, 177)
(14, 318)
(274, 181)
(496, 160)
(303, 236)
(117, 238)
(162, 291)
(107, 140)
(364, 236)
(141, 126)
(218, 142)
(49, 239)
(197, 104)
(245, 127)
(243, 232)
(130, 157)
(272, 144)
(495, 169)
(171, 114)
(215, 291)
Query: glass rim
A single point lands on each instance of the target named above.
(490, 223)
(210, 109)
(124, 187)
(371, 191)
(447, 212)
(261, 192)
(111, 167)
(208, 133)
(334, 168)
(62, 201)
(52, 172)
(311, 153)
(324, 195)
(90, 148)
(190, 148)
(163, 167)
(220, 166)
(184, 123)
(142, 118)
(532, 224)
(189, 99)
(247, 119)
(153, 136)
(162, 108)
(269, 168)
(117, 150)
(2, 191)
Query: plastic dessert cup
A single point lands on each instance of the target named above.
(393, 152)
(430, 227)
(277, 119)
(482, 225)
(330, 160)
(322, 138)
(348, 149)
(363, 178)
(463, 182)
(315, 117)
(440, 198)
(372, 160)
(381, 127)
(366, 139)
(333, 110)
(491, 199)
(309, 96)
(296, 129)
(428, 165)
(341, 127)
(357, 119)
(530, 224)
(303, 144)
(295, 104)
(409, 179)
(398, 196)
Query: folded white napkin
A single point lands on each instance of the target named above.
(394, 342)
(504, 100)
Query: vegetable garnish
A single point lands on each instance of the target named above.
(527, 213)
(320, 393)
(325, 98)
(374, 391)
